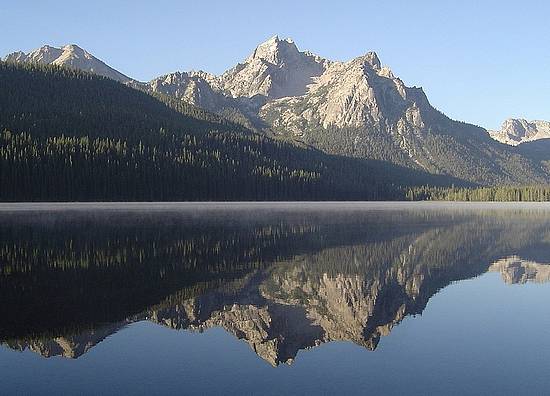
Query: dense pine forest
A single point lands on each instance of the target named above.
(487, 194)
(67, 135)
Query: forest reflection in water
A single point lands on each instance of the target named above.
(282, 277)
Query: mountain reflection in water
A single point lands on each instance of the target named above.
(280, 277)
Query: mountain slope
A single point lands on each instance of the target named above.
(71, 56)
(69, 135)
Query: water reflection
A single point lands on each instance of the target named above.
(281, 278)
(514, 269)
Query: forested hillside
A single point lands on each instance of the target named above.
(68, 135)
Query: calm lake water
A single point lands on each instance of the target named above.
(418, 298)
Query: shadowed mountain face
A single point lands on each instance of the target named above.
(282, 278)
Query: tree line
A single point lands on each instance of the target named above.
(481, 194)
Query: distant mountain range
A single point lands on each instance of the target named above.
(70, 56)
(517, 131)
(357, 108)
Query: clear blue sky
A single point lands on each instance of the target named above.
(478, 61)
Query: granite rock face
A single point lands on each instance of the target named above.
(290, 90)
(275, 69)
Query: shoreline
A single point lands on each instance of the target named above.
(266, 205)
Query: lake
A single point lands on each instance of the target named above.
(275, 298)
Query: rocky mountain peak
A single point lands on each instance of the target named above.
(276, 69)
(44, 54)
(276, 51)
(354, 94)
(72, 52)
(47, 49)
(71, 47)
(75, 49)
(516, 131)
(371, 59)
(70, 55)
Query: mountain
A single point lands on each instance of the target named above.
(361, 109)
(71, 56)
(70, 135)
(516, 131)
(196, 88)
(356, 108)
(274, 70)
